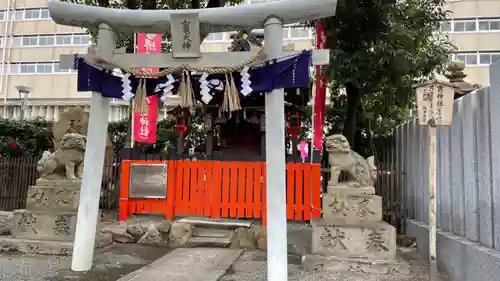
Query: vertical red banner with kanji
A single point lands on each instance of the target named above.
(144, 125)
(320, 94)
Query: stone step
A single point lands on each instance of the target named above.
(33, 246)
(196, 264)
(212, 232)
(211, 242)
(40, 225)
(53, 198)
(335, 264)
(376, 241)
(216, 223)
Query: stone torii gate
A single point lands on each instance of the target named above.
(272, 16)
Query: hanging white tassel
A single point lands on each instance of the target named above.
(206, 97)
(127, 87)
(167, 89)
(246, 83)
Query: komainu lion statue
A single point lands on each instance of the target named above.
(66, 162)
(361, 172)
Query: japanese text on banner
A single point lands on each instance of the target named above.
(144, 125)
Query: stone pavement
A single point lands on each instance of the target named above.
(252, 266)
(192, 264)
(110, 264)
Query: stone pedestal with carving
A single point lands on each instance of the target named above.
(351, 206)
(47, 225)
(351, 236)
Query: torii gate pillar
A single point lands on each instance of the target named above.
(277, 263)
(90, 192)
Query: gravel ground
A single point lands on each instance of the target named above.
(110, 264)
(251, 266)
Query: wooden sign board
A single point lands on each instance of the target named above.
(185, 29)
(435, 101)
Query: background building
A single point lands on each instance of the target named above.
(31, 44)
(474, 28)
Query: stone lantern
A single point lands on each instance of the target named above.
(456, 77)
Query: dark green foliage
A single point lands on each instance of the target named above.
(25, 138)
(380, 48)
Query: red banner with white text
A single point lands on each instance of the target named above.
(144, 125)
(320, 94)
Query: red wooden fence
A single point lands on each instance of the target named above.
(224, 189)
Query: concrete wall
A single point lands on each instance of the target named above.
(468, 183)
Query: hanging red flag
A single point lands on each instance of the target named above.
(320, 94)
(144, 125)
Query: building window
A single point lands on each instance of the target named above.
(464, 26)
(471, 25)
(44, 68)
(63, 39)
(50, 40)
(17, 15)
(445, 26)
(28, 68)
(26, 14)
(215, 37)
(300, 33)
(58, 70)
(15, 68)
(30, 41)
(17, 41)
(46, 40)
(489, 25)
(294, 32)
(32, 14)
(45, 14)
(83, 39)
(477, 58)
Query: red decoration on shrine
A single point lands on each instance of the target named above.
(294, 124)
(180, 124)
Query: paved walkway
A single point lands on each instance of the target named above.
(110, 264)
(192, 264)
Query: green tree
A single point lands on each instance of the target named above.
(380, 48)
